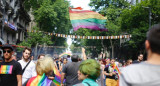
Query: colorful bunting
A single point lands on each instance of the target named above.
(86, 37)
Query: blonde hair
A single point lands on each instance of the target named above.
(44, 65)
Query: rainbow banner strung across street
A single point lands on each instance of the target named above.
(39, 81)
(87, 19)
(57, 78)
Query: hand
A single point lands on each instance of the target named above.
(110, 74)
(62, 84)
(83, 50)
(113, 73)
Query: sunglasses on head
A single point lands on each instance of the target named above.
(9, 51)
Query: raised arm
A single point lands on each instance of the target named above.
(84, 54)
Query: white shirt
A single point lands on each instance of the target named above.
(29, 72)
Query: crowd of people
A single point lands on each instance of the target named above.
(82, 72)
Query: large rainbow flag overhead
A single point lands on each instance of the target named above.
(87, 19)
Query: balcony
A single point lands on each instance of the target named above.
(9, 29)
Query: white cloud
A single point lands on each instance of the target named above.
(81, 3)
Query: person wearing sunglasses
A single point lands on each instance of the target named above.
(10, 70)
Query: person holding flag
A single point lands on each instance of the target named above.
(111, 72)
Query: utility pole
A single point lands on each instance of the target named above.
(149, 15)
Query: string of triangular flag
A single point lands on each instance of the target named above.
(85, 37)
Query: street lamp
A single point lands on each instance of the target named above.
(149, 15)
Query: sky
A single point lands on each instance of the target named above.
(81, 3)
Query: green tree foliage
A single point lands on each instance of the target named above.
(36, 38)
(89, 42)
(112, 10)
(135, 20)
(51, 16)
(99, 4)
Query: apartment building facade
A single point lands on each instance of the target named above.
(14, 21)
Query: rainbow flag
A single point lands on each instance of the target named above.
(6, 69)
(87, 19)
(116, 69)
(65, 53)
(39, 81)
(57, 78)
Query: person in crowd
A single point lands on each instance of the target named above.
(28, 66)
(107, 61)
(106, 65)
(32, 58)
(89, 71)
(14, 56)
(59, 62)
(111, 76)
(102, 66)
(41, 56)
(64, 63)
(10, 70)
(69, 58)
(128, 62)
(120, 65)
(44, 67)
(140, 59)
(70, 70)
(145, 73)
(80, 59)
(52, 75)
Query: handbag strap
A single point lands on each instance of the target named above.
(25, 67)
(87, 83)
